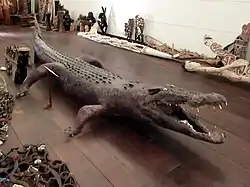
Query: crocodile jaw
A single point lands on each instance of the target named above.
(165, 107)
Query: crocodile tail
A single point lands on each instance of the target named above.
(37, 31)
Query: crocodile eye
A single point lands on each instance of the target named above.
(130, 85)
(154, 91)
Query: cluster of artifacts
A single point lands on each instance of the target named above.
(30, 166)
(15, 11)
(85, 23)
(60, 22)
(63, 22)
(231, 61)
(135, 26)
(237, 48)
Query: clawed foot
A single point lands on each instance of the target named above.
(69, 132)
(22, 93)
(48, 106)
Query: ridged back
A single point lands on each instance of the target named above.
(75, 65)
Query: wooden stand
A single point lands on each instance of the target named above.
(49, 105)
(48, 23)
(22, 63)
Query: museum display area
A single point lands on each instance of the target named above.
(120, 93)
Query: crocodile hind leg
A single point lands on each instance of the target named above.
(91, 60)
(84, 114)
(36, 75)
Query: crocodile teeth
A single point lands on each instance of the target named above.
(220, 106)
(184, 121)
(197, 109)
(187, 123)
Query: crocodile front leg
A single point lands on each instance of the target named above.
(84, 114)
(36, 75)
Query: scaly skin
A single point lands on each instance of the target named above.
(102, 92)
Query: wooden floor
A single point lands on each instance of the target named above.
(118, 152)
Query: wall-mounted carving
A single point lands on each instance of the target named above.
(135, 26)
(239, 46)
(129, 28)
(139, 28)
(102, 22)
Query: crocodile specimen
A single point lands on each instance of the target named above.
(102, 92)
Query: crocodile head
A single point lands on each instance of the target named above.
(168, 108)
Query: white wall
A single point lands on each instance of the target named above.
(182, 22)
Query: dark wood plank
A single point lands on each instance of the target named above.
(43, 129)
(111, 168)
(202, 162)
(113, 154)
(135, 152)
(228, 121)
(103, 161)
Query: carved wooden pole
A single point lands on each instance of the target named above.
(6, 12)
(48, 23)
(1, 11)
(60, 20)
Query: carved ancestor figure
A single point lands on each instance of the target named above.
(43, 6)
(55, 23)
(67, 21)
(6, 10)
(85, 25)
(60, 14)
(90, 18)
(23, 7)
(48, 23)
(102, 22)
(101, 92)
(129, 28)
(239, 46)
(139, 28)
